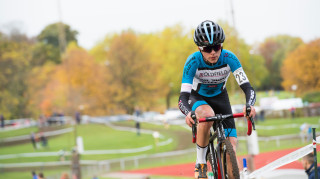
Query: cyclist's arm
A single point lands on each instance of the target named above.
(189, 72)
(241, 78)
(249, 92)
(183, 103)
(245, 85)
(184, 106)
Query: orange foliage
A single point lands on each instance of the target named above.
(302, 68)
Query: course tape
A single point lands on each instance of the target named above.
(27, 137)
(86, 152)
(115, 151)
(293, 156)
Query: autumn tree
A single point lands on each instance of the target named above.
(15, 55)
(77, 82)
(132, 72)
(170, 48)
(302, 68)
(274, 50)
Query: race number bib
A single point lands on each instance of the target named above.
(240, 76)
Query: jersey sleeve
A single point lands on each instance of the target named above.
(236, 68)
(189, 72)
(241, 77)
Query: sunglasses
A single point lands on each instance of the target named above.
(208, 49)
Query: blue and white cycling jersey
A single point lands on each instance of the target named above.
(209, 80)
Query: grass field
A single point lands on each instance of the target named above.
(95, 137)
(13, 133)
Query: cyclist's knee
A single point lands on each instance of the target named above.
(204, 111)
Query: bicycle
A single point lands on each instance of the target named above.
(223, 153)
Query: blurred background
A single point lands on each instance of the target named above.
(89, 88)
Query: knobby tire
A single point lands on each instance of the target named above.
(227, 149)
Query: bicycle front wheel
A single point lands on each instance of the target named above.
(228, 160)
(213, 161)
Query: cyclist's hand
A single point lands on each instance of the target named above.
(189, 120)
(252, 113)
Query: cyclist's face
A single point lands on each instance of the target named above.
(211, 57)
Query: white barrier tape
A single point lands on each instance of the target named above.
(39, 154)
(129, 129)
(115, 151)
(165, 142)
(47, 134)
(87, 152)
(293, 156)
(34, 164)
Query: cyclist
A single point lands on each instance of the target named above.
(203, 87)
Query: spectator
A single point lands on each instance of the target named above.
(78, 117)
(308, 164)
(138, 127)
(2, 121)
(34, 175)
(262, 115)
(33, 140)
(292, 111)
(43, 139)
(137, 114)
(42, 120)
(305, 132)
(37, 138)
(95, 177)
(41, 176)
(61, 118)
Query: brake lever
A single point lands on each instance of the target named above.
(248, 110)
(252, 121)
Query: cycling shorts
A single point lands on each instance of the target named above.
(220, 105)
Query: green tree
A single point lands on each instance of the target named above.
(43, 53)
(53, 40)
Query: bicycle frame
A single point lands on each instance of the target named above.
(218, 154)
